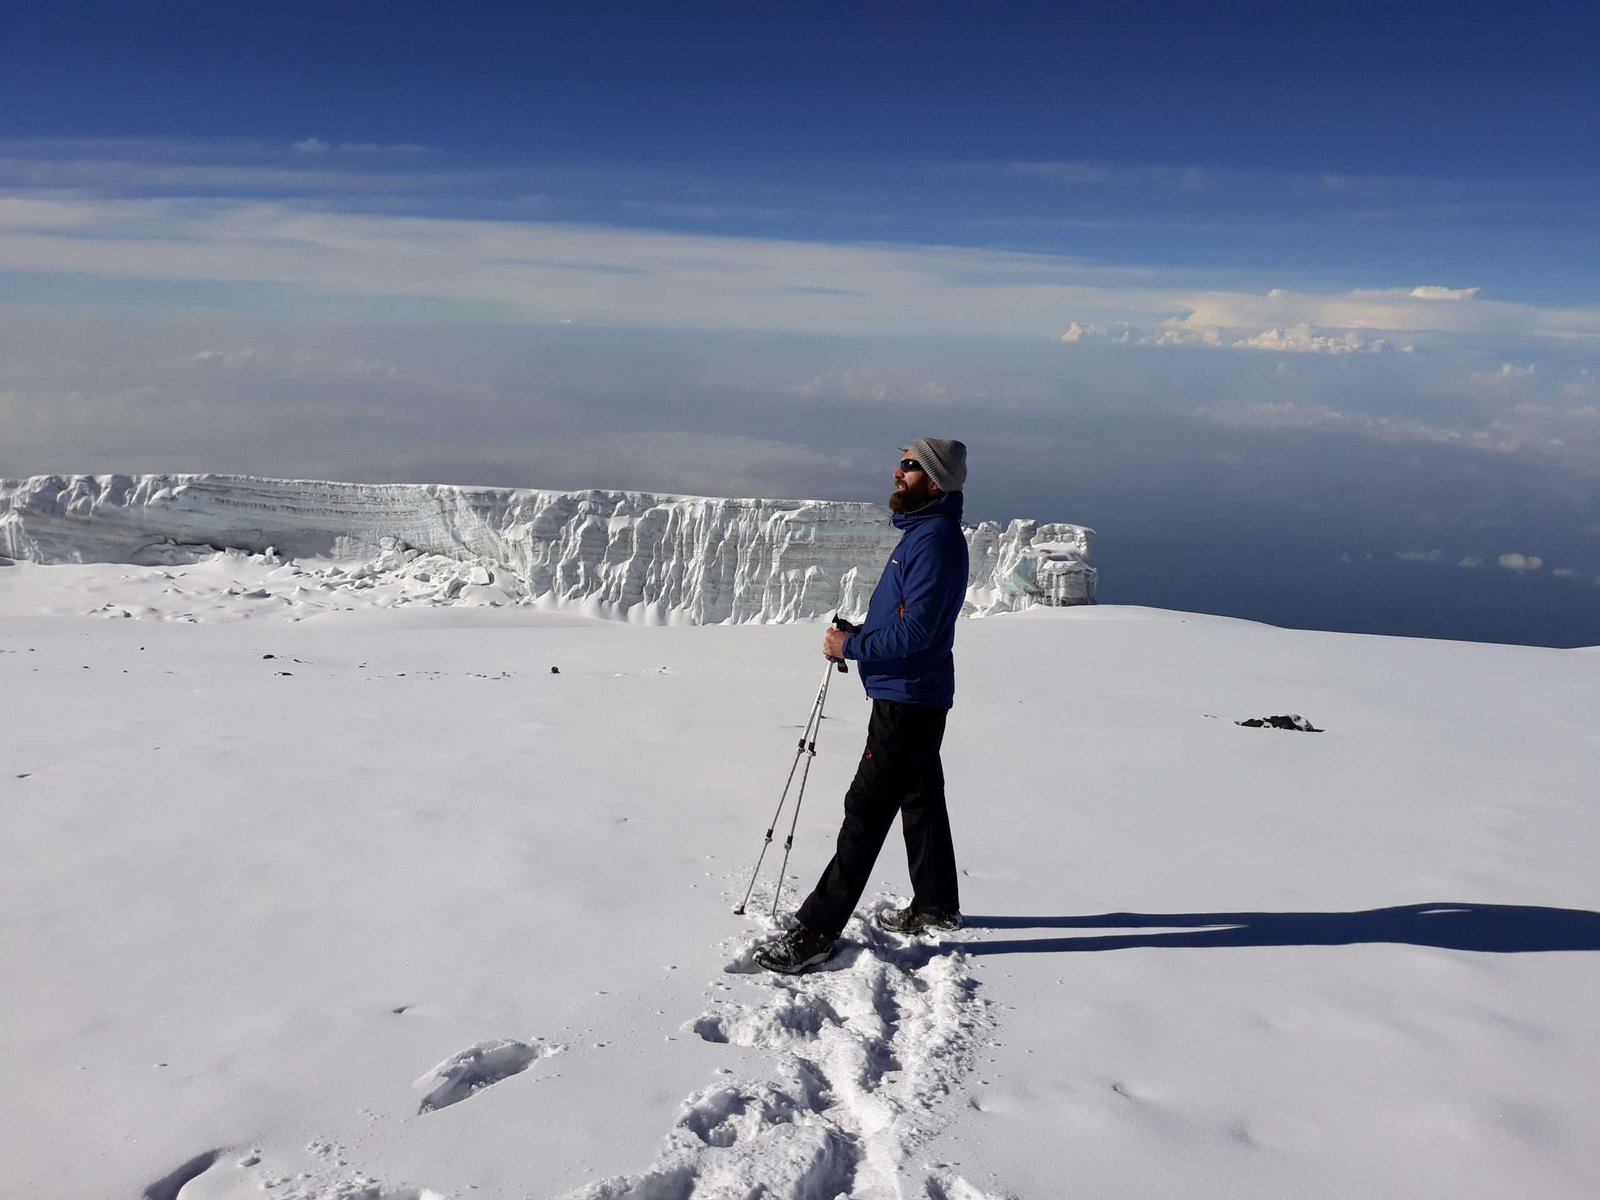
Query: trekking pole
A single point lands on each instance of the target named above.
(799, 796)
(807, 746)
(807, 741)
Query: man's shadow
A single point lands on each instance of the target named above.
(1488, 928)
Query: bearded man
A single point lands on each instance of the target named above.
(904, 658)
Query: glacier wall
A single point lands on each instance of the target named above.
(630, 554)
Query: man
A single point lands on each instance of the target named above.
(906, 666)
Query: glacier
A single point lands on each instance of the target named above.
(630, 555)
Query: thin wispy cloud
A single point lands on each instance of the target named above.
(550, 272)
(315, 145)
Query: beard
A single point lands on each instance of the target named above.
(912, 497)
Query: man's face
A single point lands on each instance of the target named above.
(912, 488)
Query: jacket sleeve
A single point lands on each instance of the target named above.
(934, 581)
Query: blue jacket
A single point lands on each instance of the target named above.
(904, 646)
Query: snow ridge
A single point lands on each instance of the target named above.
(633, 555)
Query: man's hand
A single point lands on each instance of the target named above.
(833, 645)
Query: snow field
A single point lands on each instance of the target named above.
(317, 934)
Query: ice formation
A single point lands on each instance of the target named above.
(634, 555)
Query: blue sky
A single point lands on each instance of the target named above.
(1331, 262)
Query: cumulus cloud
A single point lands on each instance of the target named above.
(1303, 339)
(1470, 561)
(1116, 331)
(1521, 562)
(1420, 556)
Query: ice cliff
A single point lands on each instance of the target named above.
(626, 554)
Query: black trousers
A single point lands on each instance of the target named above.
(899, 772)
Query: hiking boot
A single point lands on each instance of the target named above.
(912, 921)
(797, 950)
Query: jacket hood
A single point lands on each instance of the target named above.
(947, 505)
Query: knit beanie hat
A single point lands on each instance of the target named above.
(944, 460)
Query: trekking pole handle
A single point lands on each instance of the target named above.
(848, 627)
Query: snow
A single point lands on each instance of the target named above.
(348, 898)
(647, 558)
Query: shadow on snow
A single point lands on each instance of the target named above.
(1489, 928)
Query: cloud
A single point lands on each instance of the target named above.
(1584, 389)
(1116, 331)
(1092, 173)
(1297, 339)
(1521, 562)
(884, 390)
(1420, 556)
(306, 174)
(1498, 438)
(315, 145)
(1303, 339)
(1391, 311)
(300, 364)
(1361, 321)
(1508, 379)
(303, 258)
(870, 387)
(550, 272)
(222, 358)
(1471, 562)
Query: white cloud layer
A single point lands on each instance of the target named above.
(546, 272)
(1297, 339)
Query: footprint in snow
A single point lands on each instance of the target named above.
(478, 1067)
(868, 1052)
(245, 1176)
(170, 1185)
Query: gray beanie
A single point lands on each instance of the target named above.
(944, 460)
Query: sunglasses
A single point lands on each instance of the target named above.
(910, 464)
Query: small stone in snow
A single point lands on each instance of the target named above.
(555, 670)
(1288, 721)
